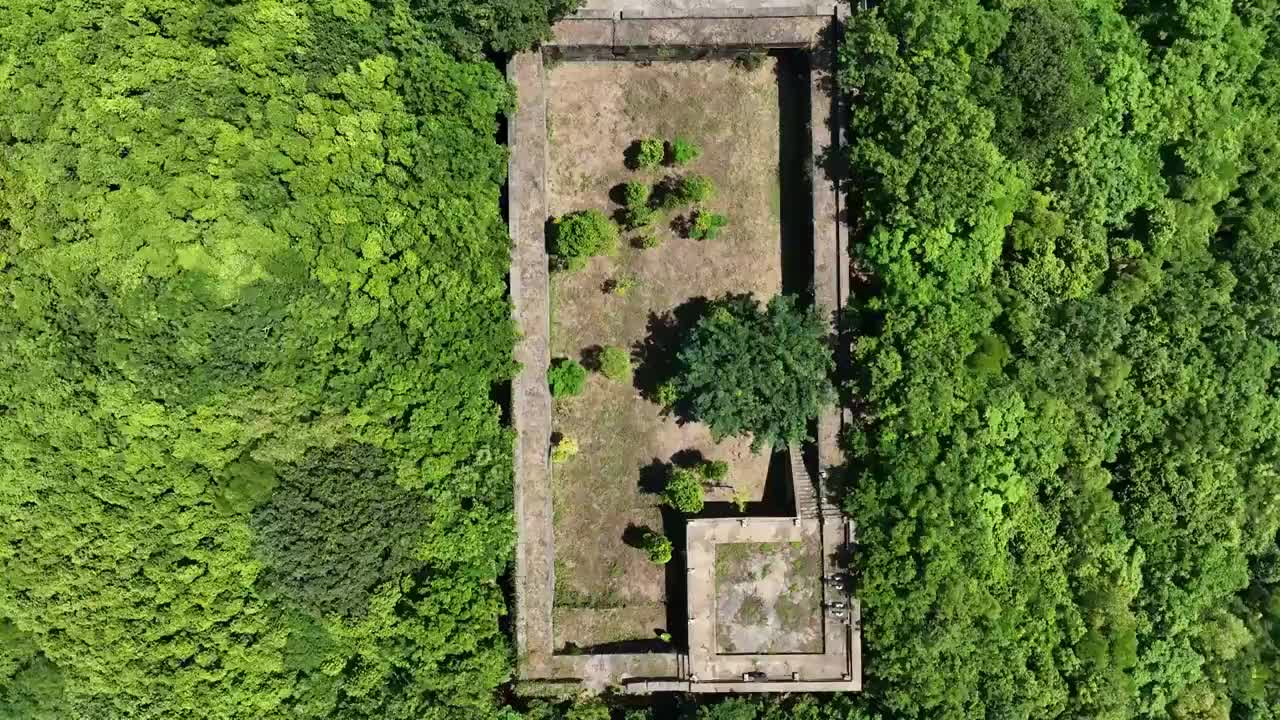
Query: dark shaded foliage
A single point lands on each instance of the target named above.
(763, 372)
(336, 528)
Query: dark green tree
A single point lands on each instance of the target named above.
(1046, 65)
(763, 372)
(336, 528)
(470, 27)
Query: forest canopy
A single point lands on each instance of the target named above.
(252, 279)
(1066, 484)
(252, 288)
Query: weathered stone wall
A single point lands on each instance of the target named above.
(658, 30)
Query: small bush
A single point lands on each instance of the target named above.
(707, 225)
(684, 491)
(615, 363)
(621, 285)
(636, 194)
(582, 235)
(637, 216)
(666, 395)
(564, 449)
(649, 240)
(658, 547)
(683, 152)
(715, 471)
(669, 196)
(566, 377)
(649, 153)
(675, 192)
(694, 189)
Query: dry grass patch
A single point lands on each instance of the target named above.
(597, 109)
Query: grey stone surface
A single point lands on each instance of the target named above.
(530, 396)
(830, 260)
(828, 669)
(598, 672)
(707, 8)
(734, 32)
(583, 33)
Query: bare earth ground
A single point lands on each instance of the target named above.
(769, 598)
(595, 111)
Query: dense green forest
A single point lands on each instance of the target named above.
(1067, 489)
(252, 307)
(252, 312)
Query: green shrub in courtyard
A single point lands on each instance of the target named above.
(581, 235)
(707, 225)
(622, 285)
(658, 547)
(636, 217)
(564, 449)
(615, 363)
(649, 240)
(566, 377)
(683, 151)
(637, 212)
(684, 491)
(694, 189)
(650, 153)
(715, 471)
(636, 194)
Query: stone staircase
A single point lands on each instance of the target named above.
(810, 495)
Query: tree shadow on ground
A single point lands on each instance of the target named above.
(590, 357)
(618, 647)
(631, 156)
(673, 526)
(689, 458)
(653, 477)
(656, 361)
(634, 535)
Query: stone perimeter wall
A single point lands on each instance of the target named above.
(663, 29)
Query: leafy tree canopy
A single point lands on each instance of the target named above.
(250, 249)
(764, 372)
(336, 528)
(566, 377)
(579, 236)
(1066, 484)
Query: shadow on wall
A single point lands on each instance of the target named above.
(795, 184)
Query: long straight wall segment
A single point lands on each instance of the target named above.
(530, 396)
